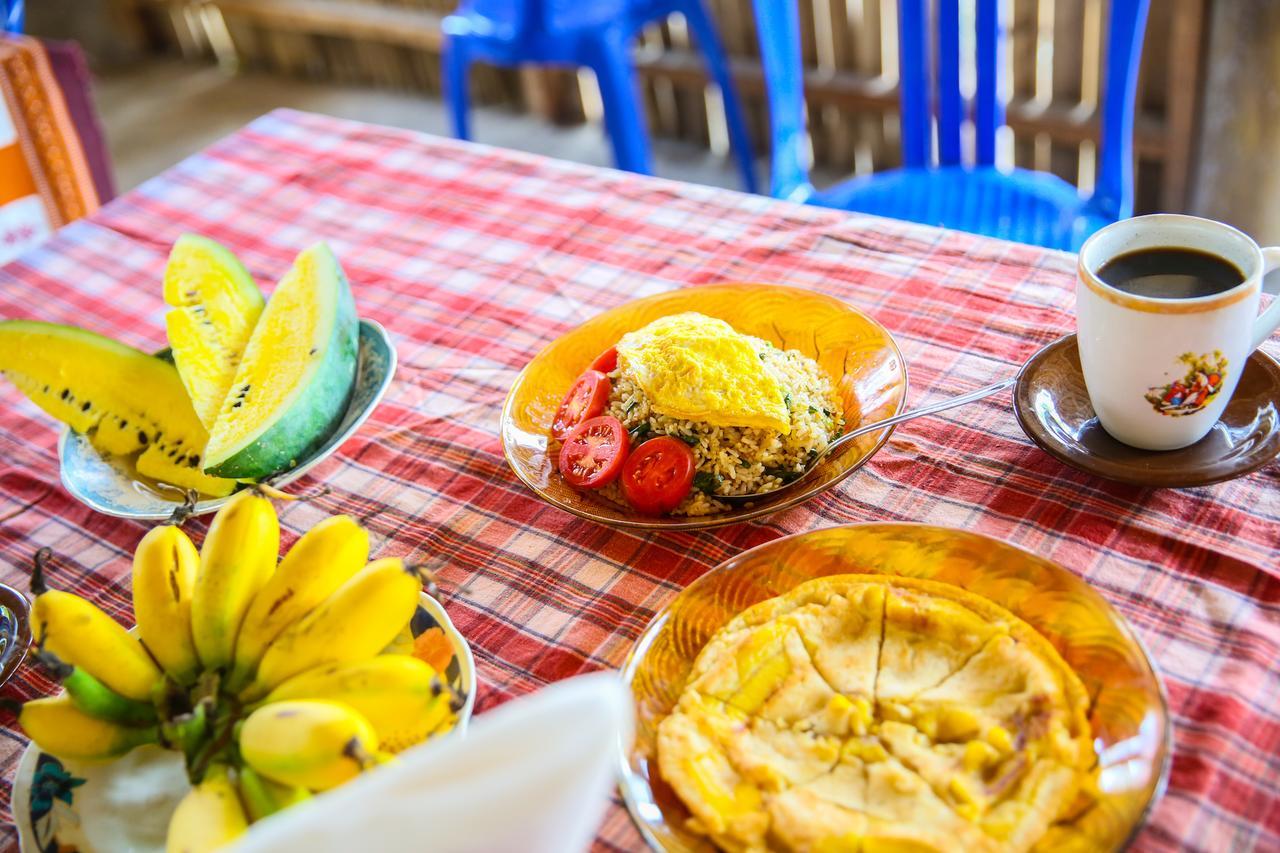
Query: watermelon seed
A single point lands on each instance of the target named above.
(142, 438)
(313, 351)
(65, 393)
(236, 404)
(86, 406)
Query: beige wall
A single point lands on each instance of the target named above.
(104, 33)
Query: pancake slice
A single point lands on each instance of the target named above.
(926, 639)
(723, 804)
(803, 820)
(906, 812)
(767, 672)
(842, 637)
(1012, 694)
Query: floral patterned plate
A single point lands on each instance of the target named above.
(124, 805)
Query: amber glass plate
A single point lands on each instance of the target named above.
(857, 353)
(1128, 713)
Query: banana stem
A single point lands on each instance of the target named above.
(456, 698)
(430, 580)
(185, 510)
(42, 557)
(357, 753)
(204, 759)
(58, 669)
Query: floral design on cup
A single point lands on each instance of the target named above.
(1195, 390)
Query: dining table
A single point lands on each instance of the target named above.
(474, 258)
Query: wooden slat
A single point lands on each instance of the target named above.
(1182, 104)
(853, 103)
(1063, 156)
(856, 91)
(356, 21)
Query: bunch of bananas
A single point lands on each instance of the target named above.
(273, 681)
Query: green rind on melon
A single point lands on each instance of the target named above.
(215, 307)
(296, 377)
(124, 400)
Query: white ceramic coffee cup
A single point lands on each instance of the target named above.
(1160, 371)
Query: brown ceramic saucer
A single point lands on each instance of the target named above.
(1053, 408)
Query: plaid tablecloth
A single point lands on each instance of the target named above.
(474, 258)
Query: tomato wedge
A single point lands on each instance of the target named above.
(592, 453)
(607, 361)
(588, 397)
(658, 475)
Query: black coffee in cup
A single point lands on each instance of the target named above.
(1170, 273)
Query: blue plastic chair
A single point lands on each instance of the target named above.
(936, 188)
(593, 34)
(14, 16)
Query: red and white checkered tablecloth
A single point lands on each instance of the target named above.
(475, 258)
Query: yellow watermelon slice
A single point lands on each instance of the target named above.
(295, 380)
(215, 307)
(122, 399)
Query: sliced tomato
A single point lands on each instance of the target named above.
(658, 475)
(591, 455)
(588, 397)
(607, 362)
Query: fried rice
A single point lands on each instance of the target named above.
(739, 460)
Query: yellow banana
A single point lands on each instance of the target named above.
(58, 727)
(354, 623)
(322, 560)
(402, 697)
(402, 643)
(238, 557)
(164, 573)
(209, 817)
(92, 696)
(309, 743)
(80, 634)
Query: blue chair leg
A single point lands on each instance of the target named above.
(704, 31)
(455, 61)
(609, 58)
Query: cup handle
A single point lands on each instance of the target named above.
(1268, 320)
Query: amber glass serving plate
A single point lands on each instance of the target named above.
(857, 353)
(1128, 711)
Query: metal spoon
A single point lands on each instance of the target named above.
(844, 440)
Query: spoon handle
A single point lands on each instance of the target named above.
(949, 403)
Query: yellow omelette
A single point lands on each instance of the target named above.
(694, 367)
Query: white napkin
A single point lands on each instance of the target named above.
(533, 775)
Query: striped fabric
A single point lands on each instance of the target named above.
(475, 258)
